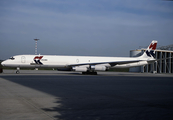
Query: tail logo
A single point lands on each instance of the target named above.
(37, 60)
(152, 46)
(150, 51)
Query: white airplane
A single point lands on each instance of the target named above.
(84, 64)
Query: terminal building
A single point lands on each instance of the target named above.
(163, 63)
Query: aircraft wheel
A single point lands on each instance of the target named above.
(17, 72)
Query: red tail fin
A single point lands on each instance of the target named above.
(153, 45)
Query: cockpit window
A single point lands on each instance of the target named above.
(11, 58)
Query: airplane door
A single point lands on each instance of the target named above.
(23, 60)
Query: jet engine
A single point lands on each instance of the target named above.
(98, 68)
(80, 69)
(90, 68)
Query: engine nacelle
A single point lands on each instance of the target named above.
(98, 68)
(91, 68)
(79, 69)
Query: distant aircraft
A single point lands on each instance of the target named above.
(84, 64)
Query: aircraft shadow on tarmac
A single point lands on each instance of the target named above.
(104, 97)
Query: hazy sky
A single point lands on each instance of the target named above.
(83, 27)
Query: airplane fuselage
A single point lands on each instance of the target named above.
(55, 61)
(81, 63)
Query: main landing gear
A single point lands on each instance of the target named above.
(17, 71)
(89, 73)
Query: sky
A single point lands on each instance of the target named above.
(83, 27)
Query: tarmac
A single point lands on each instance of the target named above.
(55, 95)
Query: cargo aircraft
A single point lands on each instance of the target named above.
(84, 64)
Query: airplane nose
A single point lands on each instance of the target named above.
(3, 63)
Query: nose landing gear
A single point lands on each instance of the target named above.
(17, 71)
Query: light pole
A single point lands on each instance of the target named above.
(36, 45)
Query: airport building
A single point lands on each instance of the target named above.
(164, 63)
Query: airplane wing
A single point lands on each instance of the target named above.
(111, 63)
